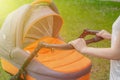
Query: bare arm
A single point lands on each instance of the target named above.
(108, 53)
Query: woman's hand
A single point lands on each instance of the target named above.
(79, 44)
(104, 34)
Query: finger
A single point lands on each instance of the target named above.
(79, 42)
(83, 43)
(75, 42)
(82, 40)
(100, 33)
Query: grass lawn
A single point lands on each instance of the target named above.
(77, 15)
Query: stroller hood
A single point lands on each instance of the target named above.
(30, 23)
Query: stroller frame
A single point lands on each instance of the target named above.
(86, 32)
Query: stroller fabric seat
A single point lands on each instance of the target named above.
(60, 60)
(65, 61)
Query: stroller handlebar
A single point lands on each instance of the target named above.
(69, 46)
(91, 32)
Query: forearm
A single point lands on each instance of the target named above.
(107, 53)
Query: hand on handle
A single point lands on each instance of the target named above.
(104, 34)
(91, 32)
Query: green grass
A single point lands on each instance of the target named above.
(91, 14)
(77, 15)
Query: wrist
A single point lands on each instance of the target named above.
(109, 37)
(84, 50)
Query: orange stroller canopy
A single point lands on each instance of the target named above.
(31, 24)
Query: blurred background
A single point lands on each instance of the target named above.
(77, 15)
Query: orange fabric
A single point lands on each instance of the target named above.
(12, 69)
(8, 67)
(60, 60)
(85, 77)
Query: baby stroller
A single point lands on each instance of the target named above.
(24, 29)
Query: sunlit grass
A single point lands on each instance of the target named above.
(7, 6)
(77, 15)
